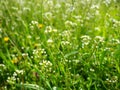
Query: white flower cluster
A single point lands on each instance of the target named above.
(115, 22)
(49, 29)
(92, 70)
(57, 6)
(65, 43)
(97, 29)
(78, 18)
(115, 41)
(66, 34)
(50, 3)
(2, 66)
(85, 39)
(48, 15)
(113, 79)
(49, 41)
(70, 9)
(38, 52)
(24, 54)
(33, 24)
(70, 24)
(46, 66)
(12, 80)
(19, 72)
(95, 6)
(99, 39)
(107, 2)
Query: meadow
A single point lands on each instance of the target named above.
(59, 45)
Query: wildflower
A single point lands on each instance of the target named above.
(95, 7)
(92, 70)
(115, 41)
(50, 41)
(107, 2)
(97, 29)
(65, 43)
(50, 3)
(113, 79)
(78, 19)
(48, 15)
(66, 33)
(99, 39)
(54, 30)
(2, 66)
(11, 80)
(6, 39)
(68, 23)
(48, 29)
(26, 9)
(85, 39)
(15, 61)
(20, 72)
(24, 54)
(34, 22)
(46, 66)
(58, 6)
(40, 25)
(14, 74)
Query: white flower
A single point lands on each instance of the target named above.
(58, 6)
(115, 41)
(99, 39)
(14, 74)
(107, 2)
(48, 29)
(45, 66)
(49, 41)
(34, 22)
(97, 29)
(24, 54)
(65, 42)
(85, 40)
(50, 3)
(92, 70)
(68, 23)
(95, 7)
(48, 15)
(19, 72)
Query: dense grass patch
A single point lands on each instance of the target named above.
(59, 45)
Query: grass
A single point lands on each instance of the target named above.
(59, 45)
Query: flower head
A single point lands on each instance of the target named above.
(40, 25)
(6, 39)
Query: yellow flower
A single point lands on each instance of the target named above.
(16, 60)
(6, 39)
(40, 25)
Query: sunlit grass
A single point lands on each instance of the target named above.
(59, 45)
